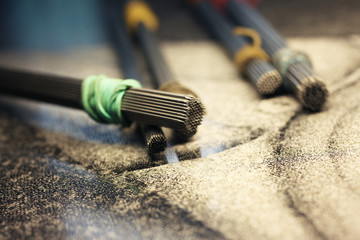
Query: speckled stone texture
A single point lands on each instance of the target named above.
(259, 168)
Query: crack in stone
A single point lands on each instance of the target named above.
(277, 166)
(292, 205)
(333, 153)
(346, 79)
(277, 143)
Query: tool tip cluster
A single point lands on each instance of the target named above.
(269, 82)
(313, 93)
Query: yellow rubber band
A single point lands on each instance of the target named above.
(249, 32)
(136, 12)
(251, 51)
(247, 53)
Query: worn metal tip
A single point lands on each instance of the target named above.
(269, 82)
(265, 77)
(176, 111)
(195, 115)
(313, 93)
(155, 138)
(156, 144)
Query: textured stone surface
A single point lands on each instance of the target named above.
(259, 168)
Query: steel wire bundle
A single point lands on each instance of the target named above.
(153, 135)
(141, 20)
(253, 62)
(146, 106)
(295, 67)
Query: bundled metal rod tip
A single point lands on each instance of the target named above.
(176, 111)
(196, 113)
(197, 109)
(266, 79)
(155, 138)
(309, 89)
(269, 82)
(312, 93)
(156, 143)
(164, 81)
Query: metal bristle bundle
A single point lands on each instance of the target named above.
(197, 111)
(310, 90)
(245, 15)
(264, 76)
(269, 82)
(154, 137)
(179, 112)
(299, 77)
(260, 72)
(40, 86)
(313, 94)
(218, 27)
(164, 80)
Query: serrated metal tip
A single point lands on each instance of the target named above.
(176, 111)
(313, 93)
(154, 137)
(156, 143)
(195, 116)
(269, 82)
(265, 77)
(309, 89)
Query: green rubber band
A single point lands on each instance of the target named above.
(101, 98)
(286, 57)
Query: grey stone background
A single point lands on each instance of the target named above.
(259, 168)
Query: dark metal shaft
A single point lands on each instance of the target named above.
(154, 58)
(162, 76)
(154, 137)
(299, 77)
(120, 40)
(162, 108)
(245, 15)
(219, 28)
(44, 87)
(139, 105)
(260, 72)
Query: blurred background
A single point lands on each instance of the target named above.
(58, 25)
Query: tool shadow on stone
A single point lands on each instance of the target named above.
(62, 135)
